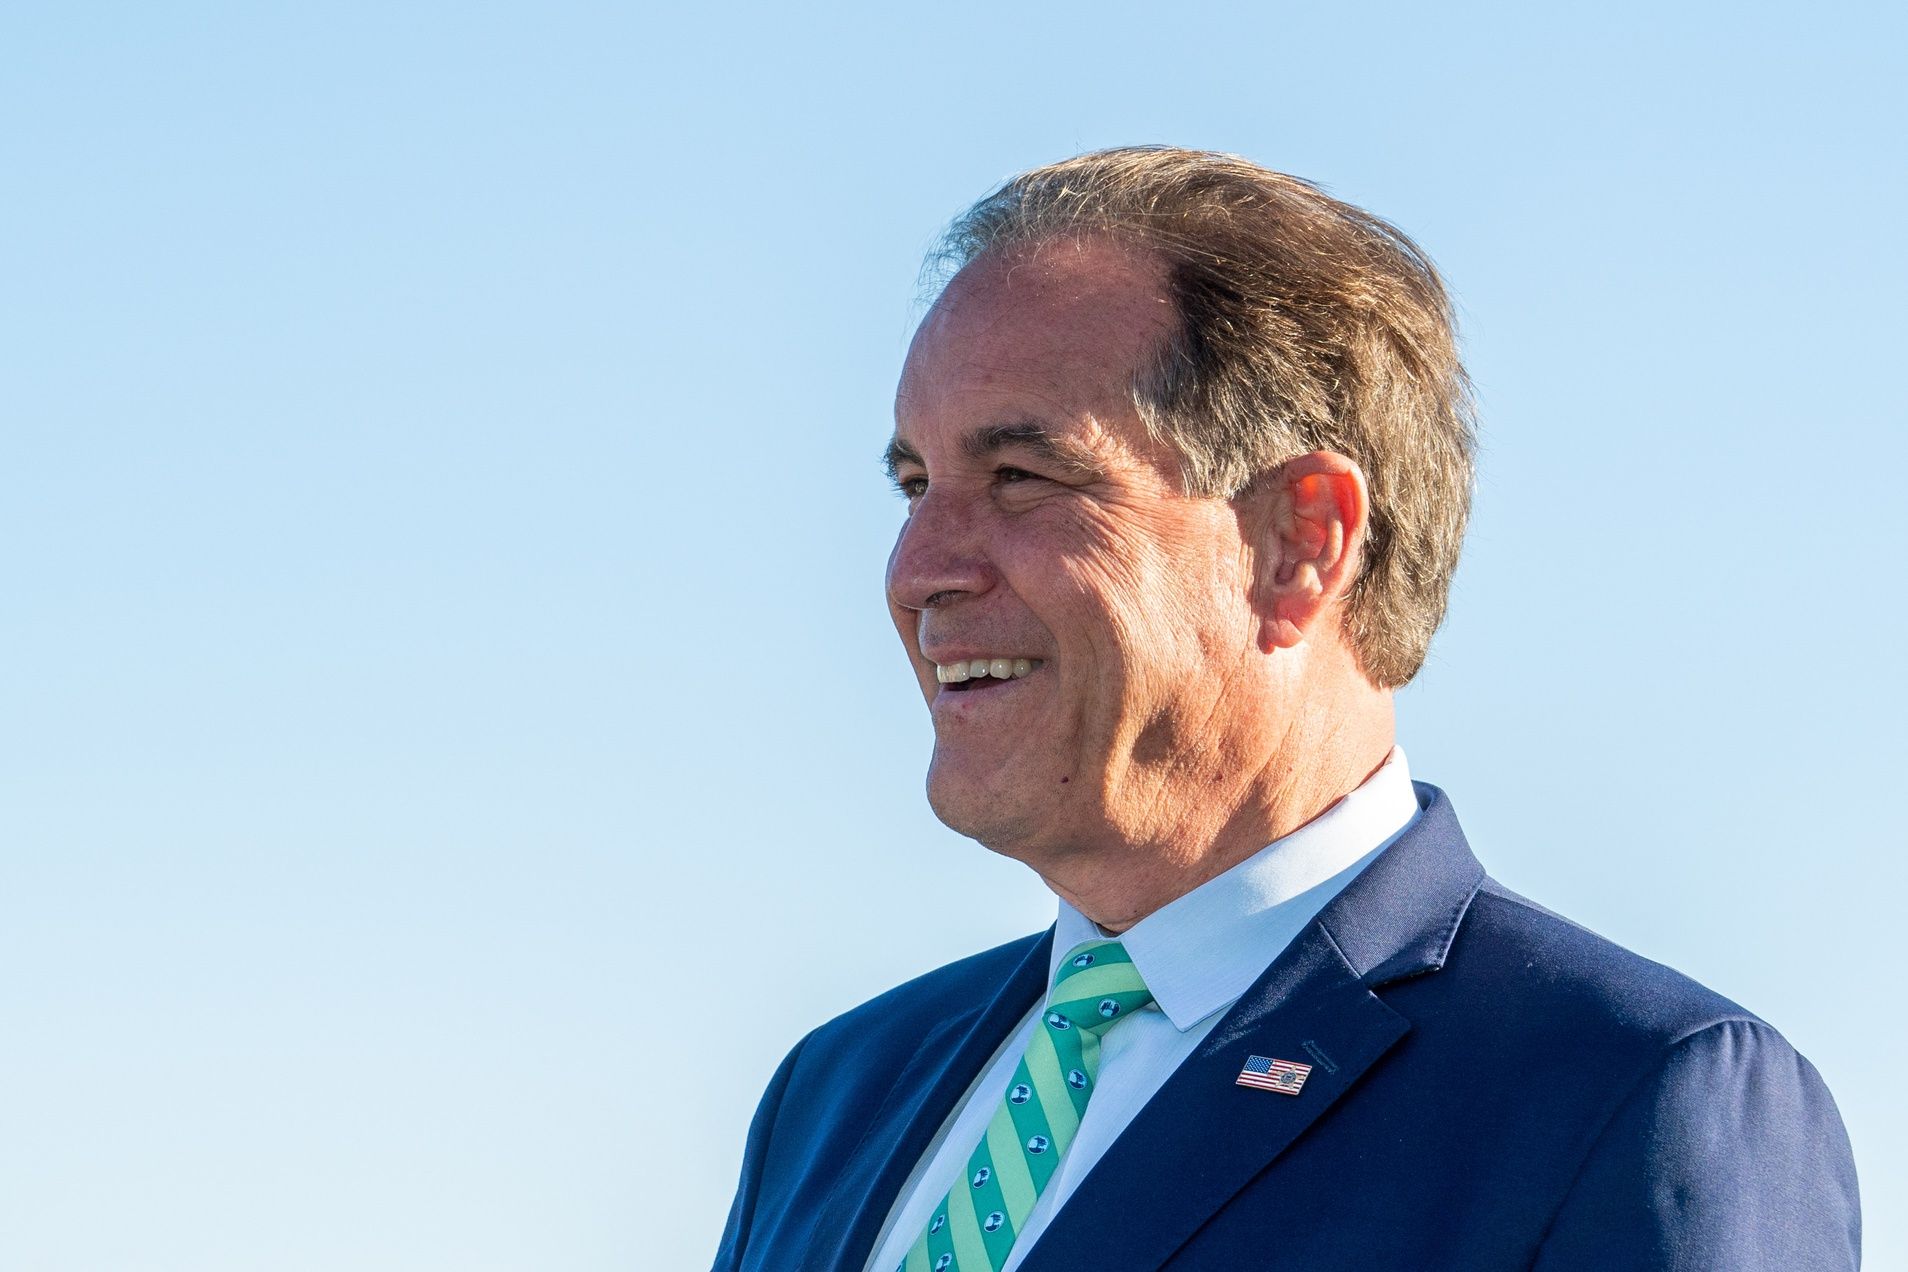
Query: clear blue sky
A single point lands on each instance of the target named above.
(451, 744)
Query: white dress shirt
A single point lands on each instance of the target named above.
(1197, 954)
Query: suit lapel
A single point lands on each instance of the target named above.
(1202, 1137)
(924, 1093)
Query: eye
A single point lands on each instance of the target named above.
(1005, 474)
(911, 488)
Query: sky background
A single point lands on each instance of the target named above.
(441, 533)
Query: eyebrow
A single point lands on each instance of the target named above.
(1024, 434)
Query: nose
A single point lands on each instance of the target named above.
(937, 557)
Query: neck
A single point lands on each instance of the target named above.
(1119, 883)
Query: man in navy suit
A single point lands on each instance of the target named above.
(1186, 448)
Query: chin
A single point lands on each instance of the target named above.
(979, 810)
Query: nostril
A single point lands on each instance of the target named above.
(940, 598)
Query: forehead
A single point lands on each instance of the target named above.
(1056, 331)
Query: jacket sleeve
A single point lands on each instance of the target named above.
(1730, 1154)
(735, 1233)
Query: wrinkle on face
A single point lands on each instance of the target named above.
(1142, 591)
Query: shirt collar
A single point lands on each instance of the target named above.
(1197, 954)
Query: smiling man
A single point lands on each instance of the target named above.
(1186, 450)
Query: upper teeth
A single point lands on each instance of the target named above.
(974, 669)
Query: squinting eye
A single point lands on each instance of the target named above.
(1014, 474)
(912, 487)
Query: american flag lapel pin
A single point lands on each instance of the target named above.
(1287, 1077)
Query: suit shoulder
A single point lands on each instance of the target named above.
(1548, 963)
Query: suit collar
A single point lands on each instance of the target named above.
(1398, 919)
(1203, 1137)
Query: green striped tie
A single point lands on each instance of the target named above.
(975, 1226)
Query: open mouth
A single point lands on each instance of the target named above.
(979, 675)
(976, 686)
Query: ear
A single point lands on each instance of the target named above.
(1315, 538)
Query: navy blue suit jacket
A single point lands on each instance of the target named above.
(1492, 1087)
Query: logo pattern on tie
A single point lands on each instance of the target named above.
(974, 1230)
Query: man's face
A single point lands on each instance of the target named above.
(1046, 528)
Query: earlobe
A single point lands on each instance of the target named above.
(1278, 633)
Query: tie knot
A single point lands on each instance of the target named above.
(1096, 986)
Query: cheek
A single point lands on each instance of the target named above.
(1130, 613)
(1113, 551)
(1141, 603)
